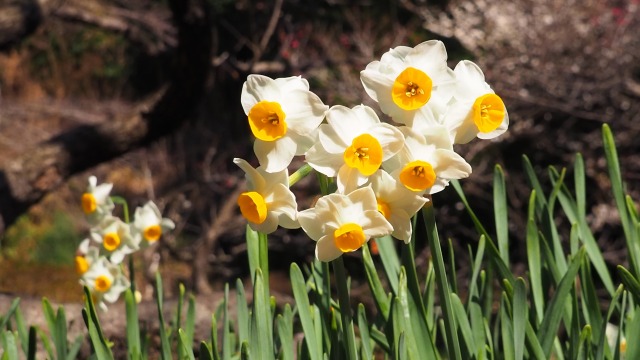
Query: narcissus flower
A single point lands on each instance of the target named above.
(268, 201)
(344, 223)
(476, 110)
(283, 116)
(353, 144)
(411, 82)
(115, 239)
(149, 225)
(426, 165)
(85, 256)
(105, 281)
(397, 203)
(95, 201)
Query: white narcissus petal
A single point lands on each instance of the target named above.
(288, 223)
(349, 179)
(304, 111)
(430, 53)
(364, 196)
(438, 136)
(284, 202)
(304, 142)
(471, 82)
(256, 89)
(83, 248)
(401, 222)
(431, 57)
(390, 138)
(376, 225)
(375, 83)
(424, 118)
(459, 121)
(292, 83)
(274, 178)
(345, 123)
(312, 223)
(254, 178)
(326, 249)
(269, 225)
(450, 165)
(275, 155)
(330, 140)
(117, 257)
(396, 56)
(323, 162)
(167, 224)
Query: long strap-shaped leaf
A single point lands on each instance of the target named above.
(98, 341)
(553, 314)
(165, 347)
(453, 344)
(304, 311)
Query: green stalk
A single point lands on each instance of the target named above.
(263, 260)
(125, 207)
(300, 174)
(345, 308)
(453, 345)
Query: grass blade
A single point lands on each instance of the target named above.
(185, 344)
(500, 211)
(519, 318)
(554, 312)
(534, 260)
(453, 345)
(165, 347)
(98, 341)
(133, 330)
(284, 323)
(390, 260)
(377, 290)
(261, 344)
(12, 308)
(304, 312)
(366, 351)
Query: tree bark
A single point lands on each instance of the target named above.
(27, 178)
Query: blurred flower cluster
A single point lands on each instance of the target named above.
(99, 257)
(383, 173)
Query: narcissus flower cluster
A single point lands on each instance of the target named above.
(383, 173)
(99, 257)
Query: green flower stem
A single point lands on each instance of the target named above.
(132, 275)
(263, 260)
(300, 174)
(125, 207)
(345, 308)
(453, 345)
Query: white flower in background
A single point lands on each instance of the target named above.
(353, 144)
(612, 333)
(283, 116)
(149, 225)
(410, 83)
(115, 239)
(85, 256)
(397, 203)
(95, 201)
(105, 282)
(268, 201)
(426, 163)
(344, 223)
(476, 110)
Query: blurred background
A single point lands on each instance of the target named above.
(146, 95)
